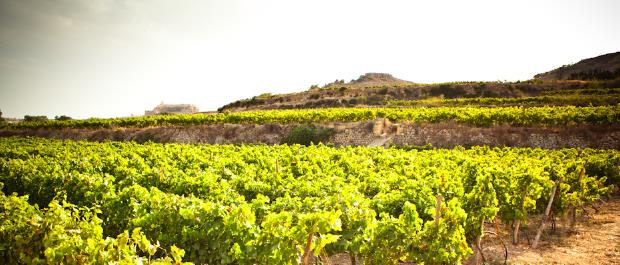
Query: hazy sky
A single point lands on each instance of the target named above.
(106, 58)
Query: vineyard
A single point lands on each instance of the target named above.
(476, 116)
(75, 202)
(549, 100)
(214, 133)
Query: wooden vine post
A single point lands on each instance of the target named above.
(498, 234)
(478, 245)
(547, 211)
(353, 258)
(305, 259)
(573, 210)
(515, 236)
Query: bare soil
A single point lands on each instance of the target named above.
(595, 239)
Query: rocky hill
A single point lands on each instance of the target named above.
(378, 89)
(604, 67)
(377, 79)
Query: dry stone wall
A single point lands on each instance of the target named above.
(454, 134)
(358, 134)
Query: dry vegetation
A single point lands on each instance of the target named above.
(376, 89)
(604, 67)
(347, 95)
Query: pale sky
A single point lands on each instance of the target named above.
(112, 58)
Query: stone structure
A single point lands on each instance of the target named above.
(357, 134)
(172, 109)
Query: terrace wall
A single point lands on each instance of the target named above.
(358, 134)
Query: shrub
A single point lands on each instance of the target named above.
(308, 135)
(63, 118)
(408, 147)
(375, 100)
(35, 118)
(265, 95)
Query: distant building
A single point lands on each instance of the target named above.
(172, 109)
(10, 120)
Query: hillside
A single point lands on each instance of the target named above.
(368, 80)
(604, 67)
(382, 89)
(337, 95)
(533, 113)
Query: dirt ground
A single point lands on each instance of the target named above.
(595, 239)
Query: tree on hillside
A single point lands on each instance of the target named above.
(35, 118)
(63, 118)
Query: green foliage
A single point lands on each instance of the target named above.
(63, 118)
(446, 239)
(481, 200)
(390, 239)
(65, 234)
(584, 91)
(517, 116)
(413, 147)
(595, 74)
(308, 134)
(29, 118)
(549, 100)
(122, 202)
